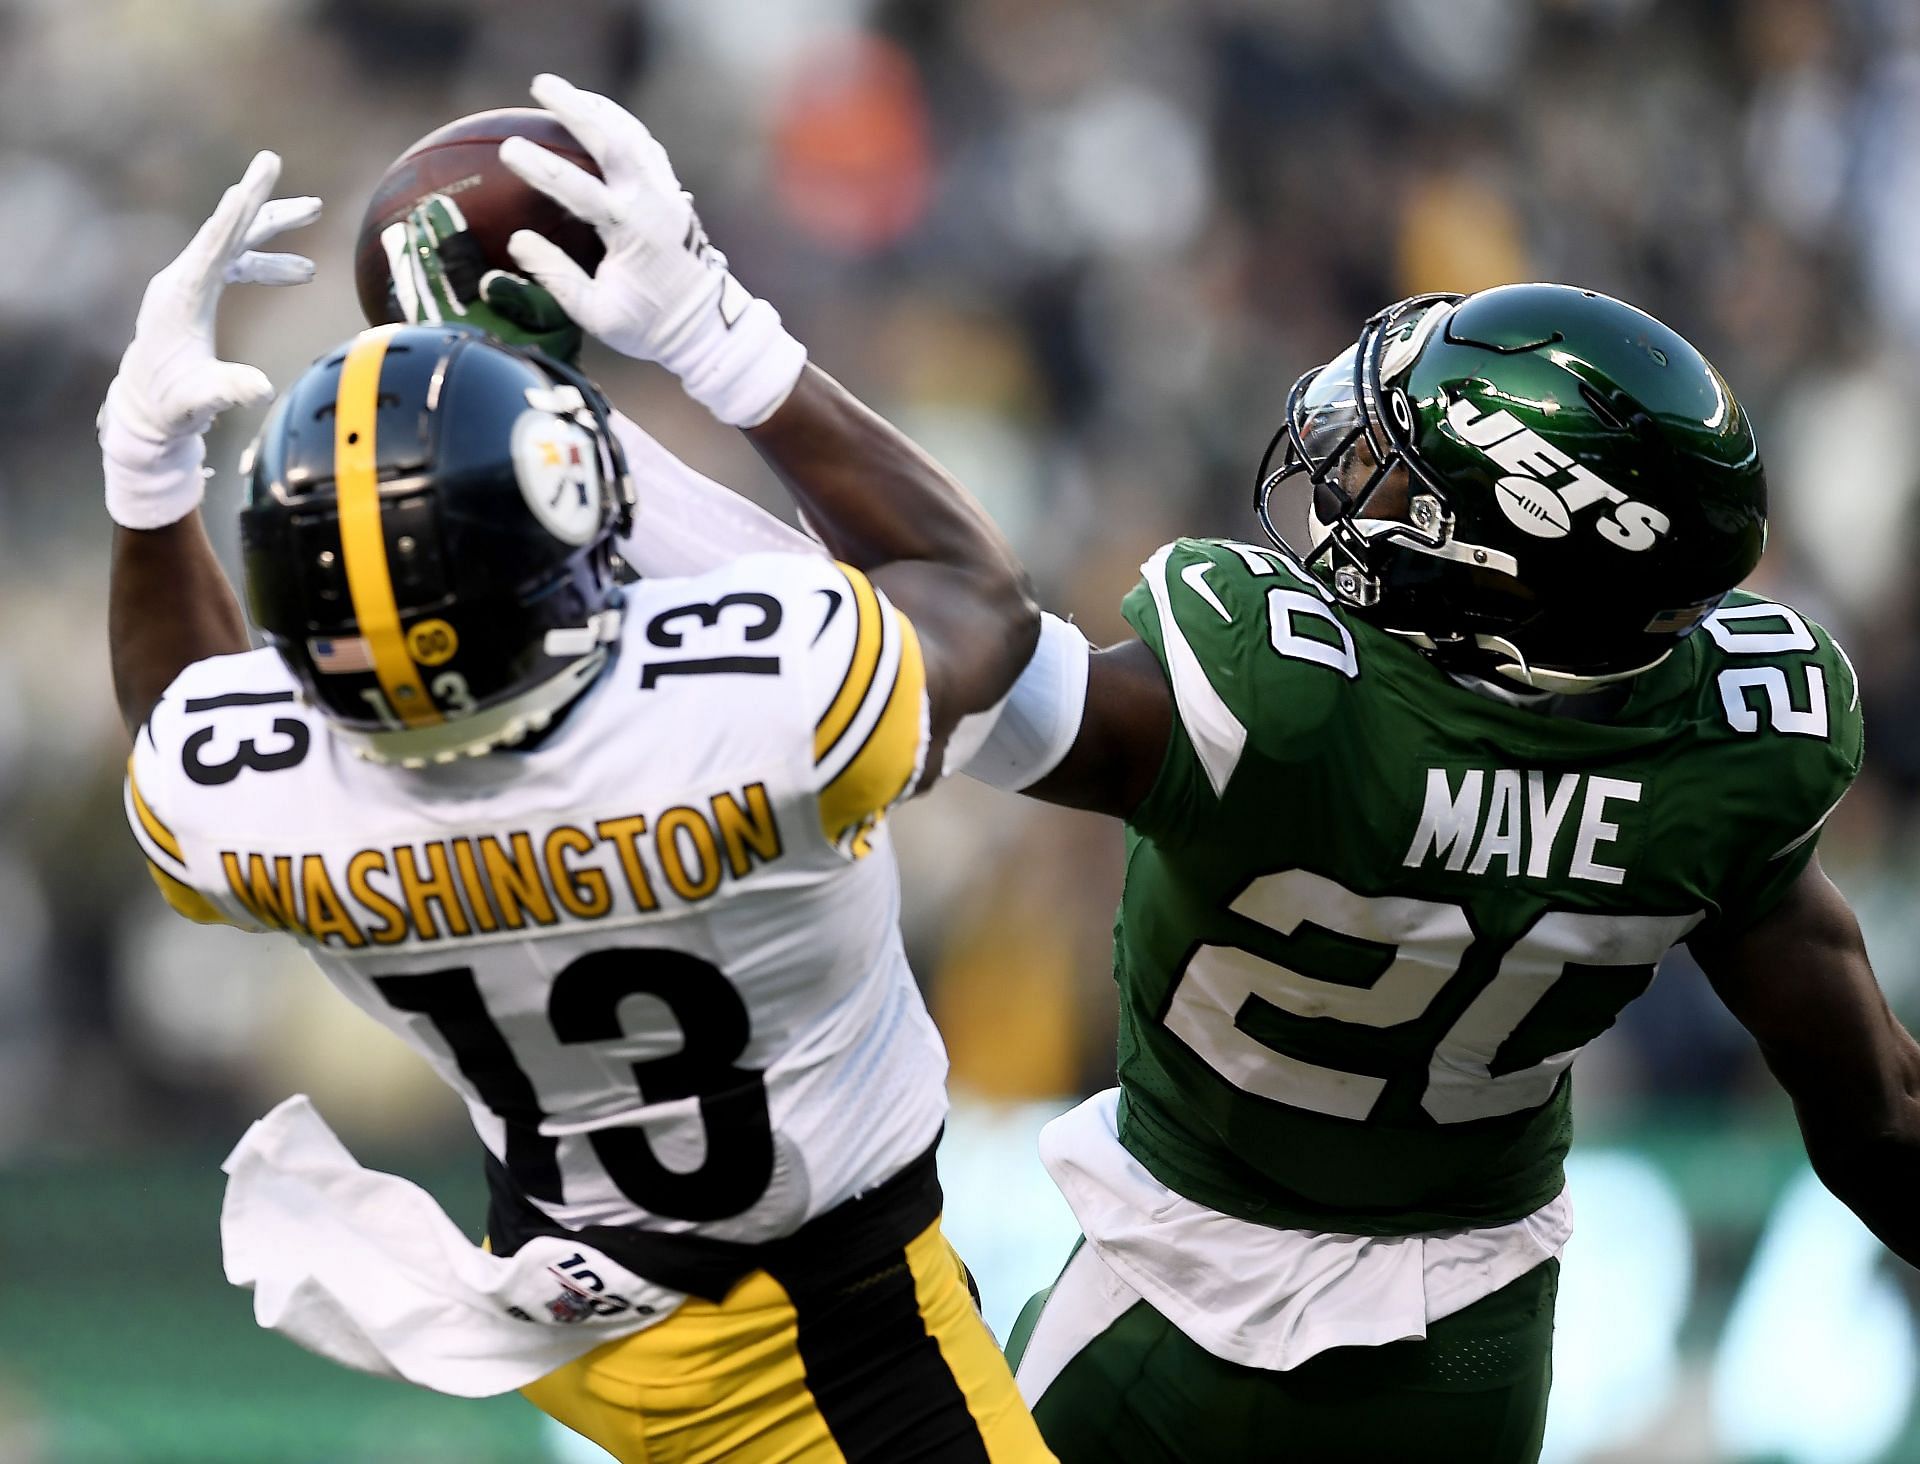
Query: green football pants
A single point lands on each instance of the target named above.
(1132, 1388)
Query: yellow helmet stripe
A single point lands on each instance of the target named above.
(363, 541)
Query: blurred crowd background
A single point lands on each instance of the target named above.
(1080, 249)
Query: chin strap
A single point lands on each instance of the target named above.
(1512, 696)
(1510, 665)
(1540, 678)
(601, 629)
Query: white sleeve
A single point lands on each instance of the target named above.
(685, 523)
(1040, 718)
(158, 801)
(871, 720)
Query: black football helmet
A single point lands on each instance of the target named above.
(429, 539)
(1535, 482)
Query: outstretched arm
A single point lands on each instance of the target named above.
(883, 505)
(169, 602)
(1125, 721)
(1800, 981)
(169, 605)
(664, 293)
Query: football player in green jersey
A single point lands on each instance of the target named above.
(1411, 816)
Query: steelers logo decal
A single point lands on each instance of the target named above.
(433, 643)
(558, 467)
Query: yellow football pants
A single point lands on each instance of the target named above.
(895, 1368)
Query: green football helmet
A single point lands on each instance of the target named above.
(1535, 482)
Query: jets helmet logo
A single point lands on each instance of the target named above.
(1544, 488)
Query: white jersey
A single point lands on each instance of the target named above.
(658, 954)
(684, 522)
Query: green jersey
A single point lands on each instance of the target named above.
(1371, 915)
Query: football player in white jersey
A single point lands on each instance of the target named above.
(609, 855)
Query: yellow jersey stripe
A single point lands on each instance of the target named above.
(882, 771)
(860, 670)
(946, 1311)
(363, 542)
(157, 831)
(185, 899)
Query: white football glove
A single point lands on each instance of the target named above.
(171, 385)
(663, 292)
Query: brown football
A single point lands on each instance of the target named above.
(462, 159)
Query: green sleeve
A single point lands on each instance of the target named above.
(1180, 796)
(1807, 778)
(1208, 610)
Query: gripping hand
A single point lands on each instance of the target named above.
(440, 273)
(663, 293)
(171, 385)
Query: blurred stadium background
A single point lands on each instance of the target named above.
(1080, 248)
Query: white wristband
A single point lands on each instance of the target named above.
(1040, 718)
(741, 372)
(150, 484)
